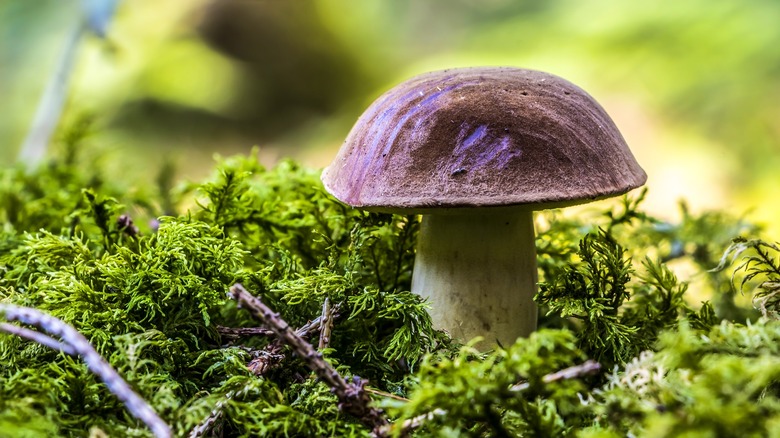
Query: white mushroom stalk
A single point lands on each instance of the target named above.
(478, 271)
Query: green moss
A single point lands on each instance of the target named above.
(151, 296)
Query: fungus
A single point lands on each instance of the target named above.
(476, 151)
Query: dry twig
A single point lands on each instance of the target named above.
(75, 344)
(37, 337)
(583, 369)
(352, 396)
(207, 424)
(233, 333)
(326, 324)
(271, 356)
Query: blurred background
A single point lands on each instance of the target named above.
(694, 85)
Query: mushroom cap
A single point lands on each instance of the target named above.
(482, 137)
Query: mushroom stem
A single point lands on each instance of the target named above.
(478, 271)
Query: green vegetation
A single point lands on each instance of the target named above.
(624, 347)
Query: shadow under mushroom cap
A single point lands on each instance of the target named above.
(482, 137)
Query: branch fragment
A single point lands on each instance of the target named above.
(75, 344)
(266, 359)
(271, 356)
(240, 332)
(233, 333)
(414, 422)
(326, 324)
(586, 368)
(37, 337)
(352, 396)
(207, 424)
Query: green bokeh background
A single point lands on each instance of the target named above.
(694, 85)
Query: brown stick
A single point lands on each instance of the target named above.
(304, 331)
(233, 333)
(271, 356)
(352, 396)
(326, 323)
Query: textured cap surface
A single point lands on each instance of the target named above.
(479, 137)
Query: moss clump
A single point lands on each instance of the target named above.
(148, 287)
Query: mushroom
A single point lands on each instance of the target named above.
(476, 151)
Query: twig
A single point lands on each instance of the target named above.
(352, 396)
(271, 356)
(207, 424)
(242, 332)
(315, 323)
(38, 337)
(74, 343)
(385, 394)
(415, 422)
(266, 359)
(585, 368)
(326, 324)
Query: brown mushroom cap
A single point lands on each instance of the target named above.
(482, 137)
